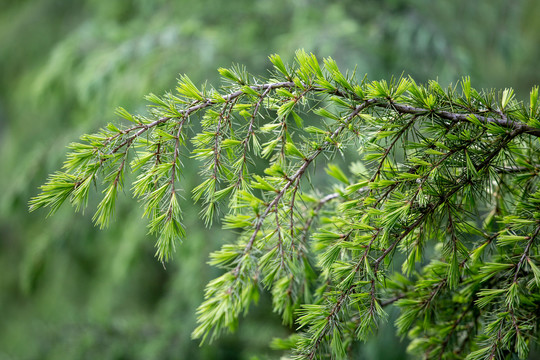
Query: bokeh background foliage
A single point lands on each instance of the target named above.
(69, 291)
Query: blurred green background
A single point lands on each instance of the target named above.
(69, 291)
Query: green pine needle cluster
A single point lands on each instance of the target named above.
(438, 212)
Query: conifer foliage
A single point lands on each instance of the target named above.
(438, 212)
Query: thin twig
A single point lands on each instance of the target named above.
(298, 175)
(526, 253)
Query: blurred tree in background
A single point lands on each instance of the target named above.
(68, 291)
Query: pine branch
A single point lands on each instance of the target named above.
(432, 161)
(504, 123)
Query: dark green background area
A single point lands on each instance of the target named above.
(70, 291)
